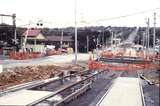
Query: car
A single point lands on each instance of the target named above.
(157, 48)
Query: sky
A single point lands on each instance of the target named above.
(61, 13)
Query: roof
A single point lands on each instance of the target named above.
(58, 38)
(32, 32)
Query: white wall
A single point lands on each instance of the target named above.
(36, 48)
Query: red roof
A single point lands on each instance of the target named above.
(32, 32)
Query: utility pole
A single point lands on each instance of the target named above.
(75, 31)
(14, 28)
(154, 31)
(87, 43)
(148, 34)
(103, 37)
(61, 38)
(111, 38)
(143, 42)
(147, 38)
(97, 40)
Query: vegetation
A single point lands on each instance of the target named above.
(96, 35)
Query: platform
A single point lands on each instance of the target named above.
(22, 98)
(124, 92)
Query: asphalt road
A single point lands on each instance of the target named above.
(49, 60)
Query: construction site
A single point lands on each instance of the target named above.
(79, 65)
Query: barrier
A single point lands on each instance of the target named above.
(53, 52)
(106, 54)
(119, 53)
(23, 55)
(130, 54)
(93, 65)
(27, 55)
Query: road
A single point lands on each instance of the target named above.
(49, 60)
(130, 40)
(132, 36)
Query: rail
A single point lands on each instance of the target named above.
(30, 85)
(141, 89)
(84, 82)
(143, 77)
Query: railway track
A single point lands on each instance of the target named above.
(69, 92)
(64, 90)
(99, 87)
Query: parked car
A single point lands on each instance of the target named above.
(157, 48)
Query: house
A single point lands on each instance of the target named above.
(66, 41)
(34, 40)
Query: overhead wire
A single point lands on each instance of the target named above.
(104, 19)
(128, 15)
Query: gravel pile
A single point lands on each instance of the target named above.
(18, 75)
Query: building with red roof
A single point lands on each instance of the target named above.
(35, 40)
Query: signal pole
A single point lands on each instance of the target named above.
(13, 16)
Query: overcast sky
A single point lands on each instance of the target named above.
(60, 13)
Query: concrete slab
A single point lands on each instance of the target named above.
(124, 92)
(22, 98)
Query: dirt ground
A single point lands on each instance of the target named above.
(14, 76)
